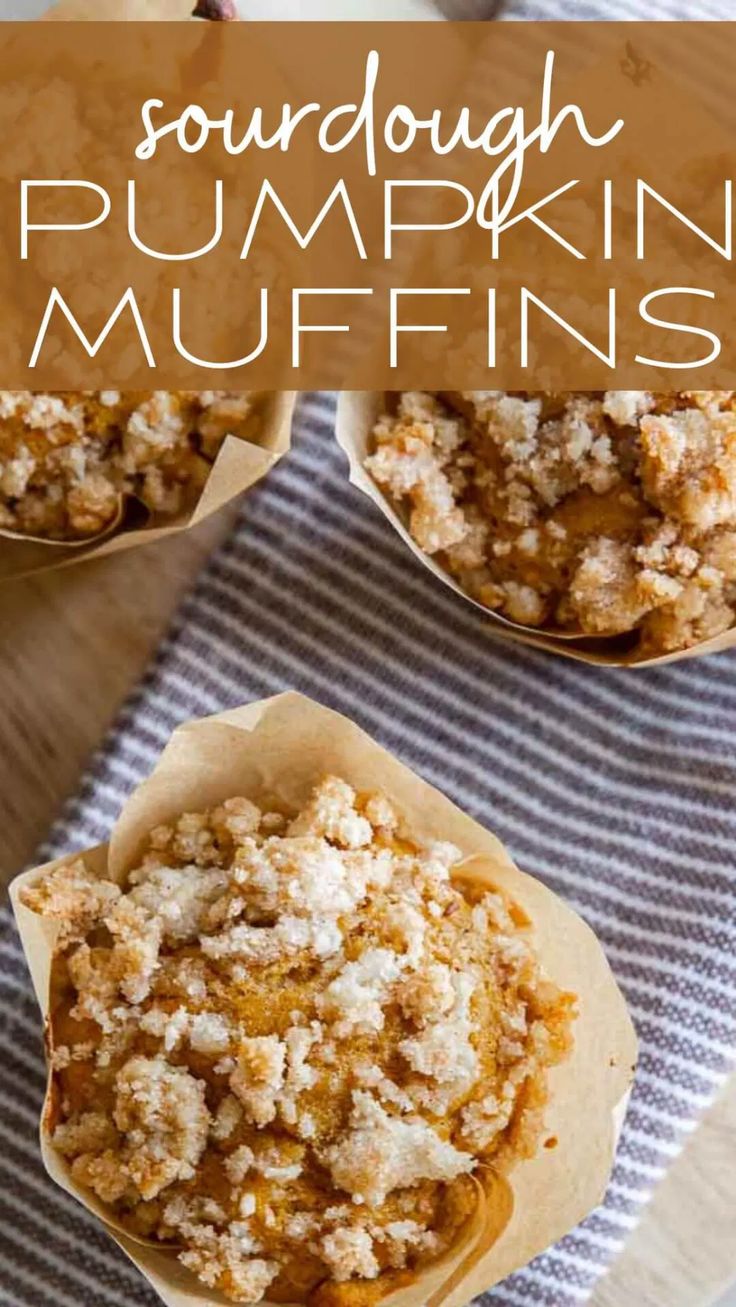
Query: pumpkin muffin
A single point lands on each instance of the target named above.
(287, 1046)
(69, 459)
(596, 513)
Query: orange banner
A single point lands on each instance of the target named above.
(363, 206)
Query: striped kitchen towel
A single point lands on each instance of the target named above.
(616, 788)
(624, 11)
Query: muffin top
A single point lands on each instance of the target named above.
(597, 513)
(68, 459)
(287, 1044)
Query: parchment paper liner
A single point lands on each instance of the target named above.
(274, 751)
(240, 462)
(357, 411)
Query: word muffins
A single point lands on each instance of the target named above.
(584, 514)
(314, 1038)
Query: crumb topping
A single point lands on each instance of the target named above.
(284, 1045)
(69, 460)
(603, 513)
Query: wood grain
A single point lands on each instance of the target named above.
(73, 643)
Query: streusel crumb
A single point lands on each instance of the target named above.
(602, 513)
(285, 1044)
(69, 459)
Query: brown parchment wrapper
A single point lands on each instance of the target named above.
(274, 751)
(357, 411)
(240, 462)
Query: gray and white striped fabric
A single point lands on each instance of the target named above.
(623, 11)
(617, 788)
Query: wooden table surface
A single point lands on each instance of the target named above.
(74, 642)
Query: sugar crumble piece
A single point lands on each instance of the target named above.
(381, 1152)
(259, 1076)
(239, 1163)
(349, 1253)
(227, 1118)
(74, 896)
(444, 1051)
(331, 813)
(162, 1114)
(353, 1001)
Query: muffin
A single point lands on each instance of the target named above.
(290, 1045)
(70, 460)
(598, 514)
